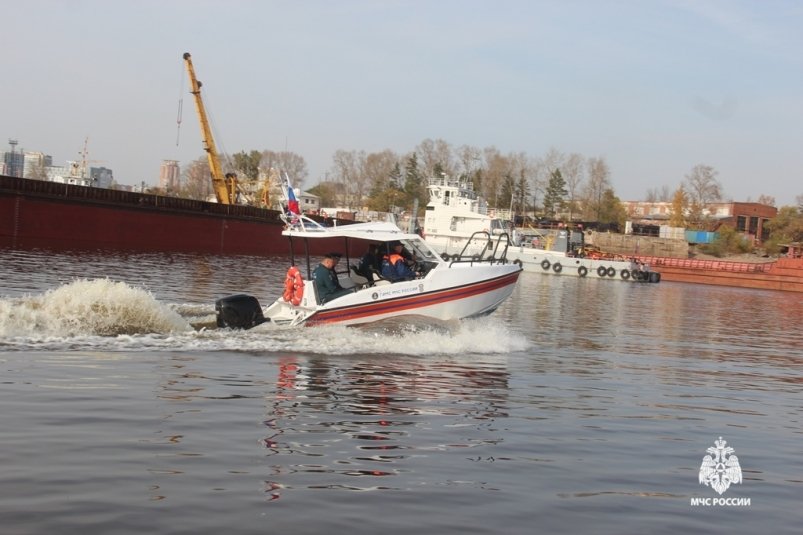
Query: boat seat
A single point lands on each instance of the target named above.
(379, 280)
(357, 279)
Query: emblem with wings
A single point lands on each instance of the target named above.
(721, 470)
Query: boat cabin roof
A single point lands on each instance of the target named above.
(379, 231)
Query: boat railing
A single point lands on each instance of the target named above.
(498, 248)
(714, 265)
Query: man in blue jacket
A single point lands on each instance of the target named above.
(394, 266)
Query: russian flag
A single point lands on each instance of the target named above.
(292, 202)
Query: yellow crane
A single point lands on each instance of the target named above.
(225, 186)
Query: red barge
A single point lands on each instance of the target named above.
(36, 214)
(785, 274)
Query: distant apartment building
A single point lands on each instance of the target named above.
(101, 177)
(14, 162)
(170, 175)
(34, 165)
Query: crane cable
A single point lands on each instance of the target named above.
(180, 103)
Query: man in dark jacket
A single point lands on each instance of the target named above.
(325, 277)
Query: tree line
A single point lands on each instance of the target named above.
(555, 185)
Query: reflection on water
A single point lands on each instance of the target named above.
(376, 419)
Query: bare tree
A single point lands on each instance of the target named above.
(662, 194)
(346, 172)
(553, 159)
(198, 180)
(497, 168)
(470, 159)
(37, 170)
(702, 188)
(766, 199)
(432, 153)
(594, 191)
(539, 178)
(378, 166)
(573, 173)
(288, 162)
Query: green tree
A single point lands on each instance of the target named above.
(786, 227)
(507, 191)
(386, 192)
(247, 164)
(521, 192)
(413, 183)
(326, 192)
(612, 211)
(555, 194)
(728, 240)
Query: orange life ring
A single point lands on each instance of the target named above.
(293, 286)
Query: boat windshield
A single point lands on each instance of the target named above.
(419, 249)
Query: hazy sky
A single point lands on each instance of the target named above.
(653, 86)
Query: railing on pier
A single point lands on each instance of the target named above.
(715, 265)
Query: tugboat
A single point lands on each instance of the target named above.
(457, 224)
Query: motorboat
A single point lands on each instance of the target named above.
(459, 225)
(441, 290)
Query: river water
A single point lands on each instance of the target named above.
(580, 406)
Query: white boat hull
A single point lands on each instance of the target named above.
(555, 263)
(450, 293)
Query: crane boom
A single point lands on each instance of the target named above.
(225, 186)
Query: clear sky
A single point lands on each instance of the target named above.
(653, 86)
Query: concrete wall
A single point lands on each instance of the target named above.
(628, 245)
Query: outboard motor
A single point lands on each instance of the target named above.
(239, 312)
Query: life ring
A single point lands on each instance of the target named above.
(602, 271)
(293, 286)
(582, 271)
(517, 262)
(545, 264)
(625, 274)
(557, 268)
(611, 271)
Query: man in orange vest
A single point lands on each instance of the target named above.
(394, 266)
